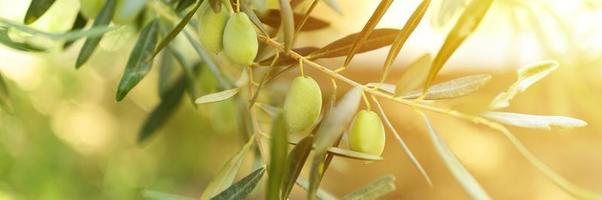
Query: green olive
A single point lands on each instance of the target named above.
(367, 133)
(90, 8)
(303, 104)
(126, 11)
(240, 39)
(211, 28)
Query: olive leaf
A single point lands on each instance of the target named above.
(347, 153)
(401, 142)
(36, 9)
(278, 151)
(242, 188)
(415, 75)
(464, 27)
(66, 36)
(22, 46)
(527, 76)
(227, 173)
(288, 23)
(183, 4)
(79, 23)
(377, 39)
(253, 17)
(218, 96)
(453, 88)
(140, 61)
(103, 19)
(165, 72)
(535, 121)
(403, 36)
(272, 18)
(295, 161)
(163, 111)
(321, 193)
(177, 29)
(224, 83)
(329, 131)
(468, 182)
(373, 190)
(377, 15)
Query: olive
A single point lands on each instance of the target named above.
(240, 39)
(367, 133)
(303, 104)
(211, 28)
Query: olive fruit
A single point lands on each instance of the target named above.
(240, 39)
(211, 28)
(91, 8)
(303, 104)
(126, 11)
(367, 133)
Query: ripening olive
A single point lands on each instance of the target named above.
(367, 133)
(240, 39)
(211, 28)
(302, 104)
(126, 11)
(91, 8)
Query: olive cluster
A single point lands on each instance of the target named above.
(232, 32)
(302, 108)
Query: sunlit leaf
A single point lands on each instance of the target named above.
(36, 9)
(296, 159)
(278, 153)
(353, 154)
(373, 190)
(402, 143)
(288, 23)
(242, 188)
(415, 75)
(403, 36)
(382, 8)
(469, 183)
(272, 18)
(451, 89)
(218, 96)
(377, 39)
(526, 77)
(140, 61)
(535, 121)
(465, 26)
(67, 36)
(103, 19)
(329, 131)
(79, 23)
(163, 111)
(22, 46)
(321, 194)
(177, 29)
(227, 173)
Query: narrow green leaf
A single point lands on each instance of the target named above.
(278, 151)
(79, 23)
(36, 9)
(373, 190)
(242, 188)
(140, 61)
(163, 111)
(401, 142)
(296, 159)
(353, 154)
(330, 130)
(527, 76)
(253, 17)
(377, 39)
(535, 121)
(67, 36)
(226, 175)
(464, 27)
(103, 19)
(415, 75)
(469, 183)
(216, 97)
(288, 22)
(177, 29)
(403, 36)
(451, 89)
(165, 72)
(368, 28)
(183, 4)
(21, 46)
